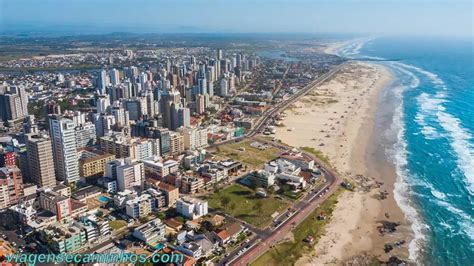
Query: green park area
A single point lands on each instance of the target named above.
(288, 253)
(242, 203)
(252, 153)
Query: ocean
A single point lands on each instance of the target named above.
(430, 140)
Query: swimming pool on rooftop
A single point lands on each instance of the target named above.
(104, 199)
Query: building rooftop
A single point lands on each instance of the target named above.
(86, 192)
(87, 155)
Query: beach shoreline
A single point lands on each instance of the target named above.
(340, 118)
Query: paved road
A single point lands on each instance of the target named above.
(307, 206)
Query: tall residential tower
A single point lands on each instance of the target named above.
(64, 148)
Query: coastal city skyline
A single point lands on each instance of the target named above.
(233, 133)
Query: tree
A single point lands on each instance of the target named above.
(225, 200)
(271, 190)
(162, 215)
(232, 206)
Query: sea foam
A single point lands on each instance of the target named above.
(460, 143)
(401, 187)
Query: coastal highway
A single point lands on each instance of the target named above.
(284, 104)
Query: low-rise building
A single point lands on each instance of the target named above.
(191, 249)
(62, 238)
(171, 193)
(122, 197)
(156, 168)
(191, 207)
(130, 175)
(295, 181)
(193, 158)
(151, 232)
(263, 178)
(139, 206)
(158, 199)
(86, 193)
(94, 227)
(11, 186)
(191, 184)
(55, 202)
(92, 162)
(299, 159)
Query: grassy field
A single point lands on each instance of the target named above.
(289, 252)
(244, 205)
(318, 154)
(117, 224)
(252, 157)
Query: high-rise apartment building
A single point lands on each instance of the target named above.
(40, 161)
(62, 132)
(85, 135)
(114, 77)
(176, 143)
(13, 103)
(194, 138)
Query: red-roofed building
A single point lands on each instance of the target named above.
(223, 237)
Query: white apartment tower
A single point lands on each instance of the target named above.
(63, 138)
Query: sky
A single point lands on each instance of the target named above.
(391, 17)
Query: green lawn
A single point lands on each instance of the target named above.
(289, 252)
(117, 224)
(243, 204)
(252, 157)
(318, 154)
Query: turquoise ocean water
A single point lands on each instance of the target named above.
(430, 141)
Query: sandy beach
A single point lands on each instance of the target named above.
(338, 118)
